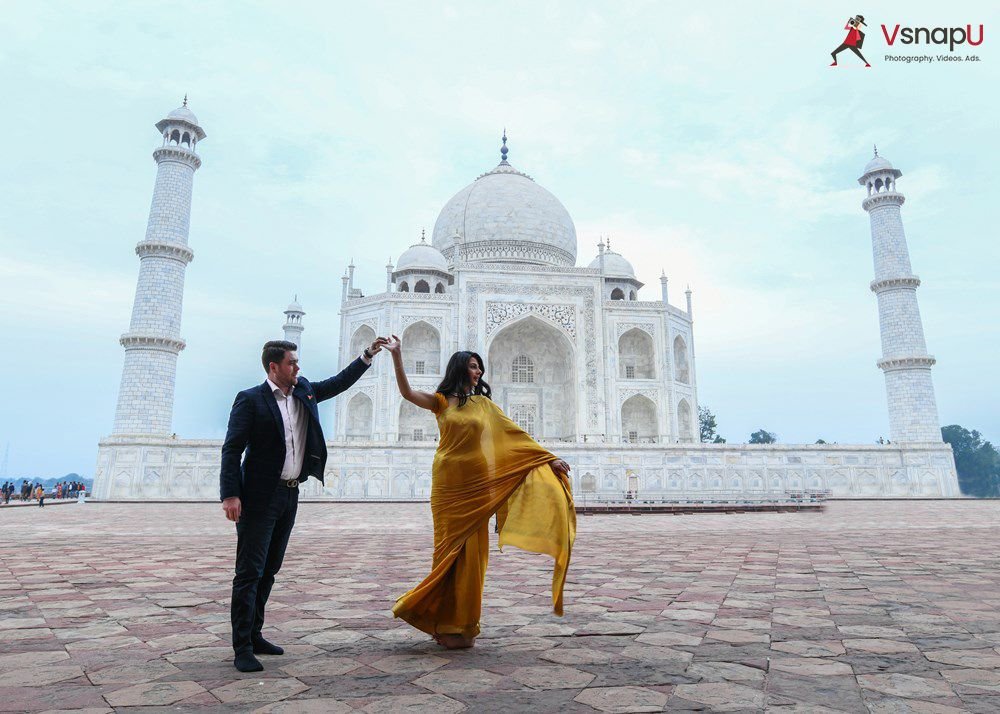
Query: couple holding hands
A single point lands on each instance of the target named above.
(485, 464)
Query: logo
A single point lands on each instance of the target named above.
(854, 40)
(903, 38)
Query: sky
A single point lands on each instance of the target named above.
(710, 141)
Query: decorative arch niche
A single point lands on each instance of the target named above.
(684, 421)
(359, 417)
(549, 401)
(400, 487)
(362, 337)
(421, 349)
(416, 424)
(636, 355)
(639, 423)
(682, 369)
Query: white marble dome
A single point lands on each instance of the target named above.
(878, 163)
(615, 265)
(184, 114)
(422, 256)
(505, 217)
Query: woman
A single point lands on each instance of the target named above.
(484, 464)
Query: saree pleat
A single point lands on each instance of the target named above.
(485, 464)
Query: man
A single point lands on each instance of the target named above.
(277, 425)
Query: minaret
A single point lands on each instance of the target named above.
(907, 366)
(152, 343)
(663, 286)
(293, 324)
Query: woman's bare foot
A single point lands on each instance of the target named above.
(455, 642)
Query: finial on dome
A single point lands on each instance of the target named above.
(875, 148)
(609, 242)
(503, 149)
(185, 99)
(423, 236)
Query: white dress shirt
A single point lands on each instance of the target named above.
(295, 420)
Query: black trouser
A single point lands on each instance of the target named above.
(262, 536)
(852, 48)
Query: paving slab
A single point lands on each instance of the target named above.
(866, 606)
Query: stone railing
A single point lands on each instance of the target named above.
(155, 468)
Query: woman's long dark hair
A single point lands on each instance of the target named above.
(456, 378)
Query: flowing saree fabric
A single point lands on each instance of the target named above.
(486, 464)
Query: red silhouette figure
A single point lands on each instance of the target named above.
(855, 38)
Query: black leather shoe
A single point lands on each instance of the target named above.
(262, 646)
(246, 662)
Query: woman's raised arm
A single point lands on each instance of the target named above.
(424, 400)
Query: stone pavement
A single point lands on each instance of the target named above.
(868, 606)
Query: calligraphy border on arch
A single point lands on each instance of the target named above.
(370, 390)
(623, 327)
(500, 313)
(371, 322)
(652, 395)
(435, 321)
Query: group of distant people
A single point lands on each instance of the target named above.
(29, 491)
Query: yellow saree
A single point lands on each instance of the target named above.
(486, 464)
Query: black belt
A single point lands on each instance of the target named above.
(291, 483)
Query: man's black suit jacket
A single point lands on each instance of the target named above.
(255, 426)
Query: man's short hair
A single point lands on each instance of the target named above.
(274, 351)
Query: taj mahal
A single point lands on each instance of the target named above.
(576, 352)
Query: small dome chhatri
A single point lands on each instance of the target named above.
(182, 115)
(878, 163)
(615, 264)
(422, 256)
